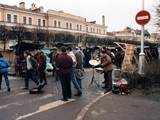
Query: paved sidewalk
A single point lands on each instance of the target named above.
(122, 107)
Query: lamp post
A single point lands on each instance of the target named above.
(142, 54)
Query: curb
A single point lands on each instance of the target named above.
(84, 110)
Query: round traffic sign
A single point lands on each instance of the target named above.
(143, 17)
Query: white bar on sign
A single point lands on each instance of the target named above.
(142, 18)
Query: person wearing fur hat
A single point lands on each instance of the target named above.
(4, 64)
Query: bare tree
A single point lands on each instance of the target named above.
(156, 16)
(19, 33)
(28, 35)
(69, 38)
(4, 35)
(51, 38)
(59, 37)
(47, 37)
(38, 35)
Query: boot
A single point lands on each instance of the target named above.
(8, 89)
(45, 82)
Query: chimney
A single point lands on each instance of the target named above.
(22, 5)
(33, 6)
(103, 20)
(41, 9)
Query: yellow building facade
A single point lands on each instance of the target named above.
(51, 20)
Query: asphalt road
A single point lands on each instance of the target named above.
(20, 105)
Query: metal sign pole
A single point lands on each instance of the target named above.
(142, 54)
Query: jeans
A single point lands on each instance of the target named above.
(42, 74)
(79, 82)
(6, 79)
(74, 80)
(30, 74)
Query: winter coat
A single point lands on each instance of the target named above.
(41, 59)
(106, 63)
(79, 60)
(4, 64)
(64, 63)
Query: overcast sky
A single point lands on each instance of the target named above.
(118, 13)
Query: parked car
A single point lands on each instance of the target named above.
(49, 66)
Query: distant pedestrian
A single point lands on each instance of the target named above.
(111, 54)
(50, 55)
(54, 57)
(4, 64)
(51, 60)
(119, 58)
(64, 64)
(87, 57)
(104, 49)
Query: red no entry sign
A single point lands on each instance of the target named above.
(143, 17)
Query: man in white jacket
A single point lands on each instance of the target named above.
(30, 72)
(73, 72)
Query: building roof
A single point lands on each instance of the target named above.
(18, 8)
(138, 32)
(129, 30)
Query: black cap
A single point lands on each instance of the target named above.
(69, 48)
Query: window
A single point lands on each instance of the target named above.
(59, 24)
(39, 22)
(70, 25)
(86, 29)
(55, 23)
(67, 25)
(97, 30)
(30, 21)
(8, 17)
(24, 20)
(77, 27)
(91, 29)
(80, 27)
(15, 18)
(104, 32)
(44, 23)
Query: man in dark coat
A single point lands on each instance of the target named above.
(87, 55)
(64, 64)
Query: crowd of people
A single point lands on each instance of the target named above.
(35, 65)
(68, 65)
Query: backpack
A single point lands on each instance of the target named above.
(34, 63)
